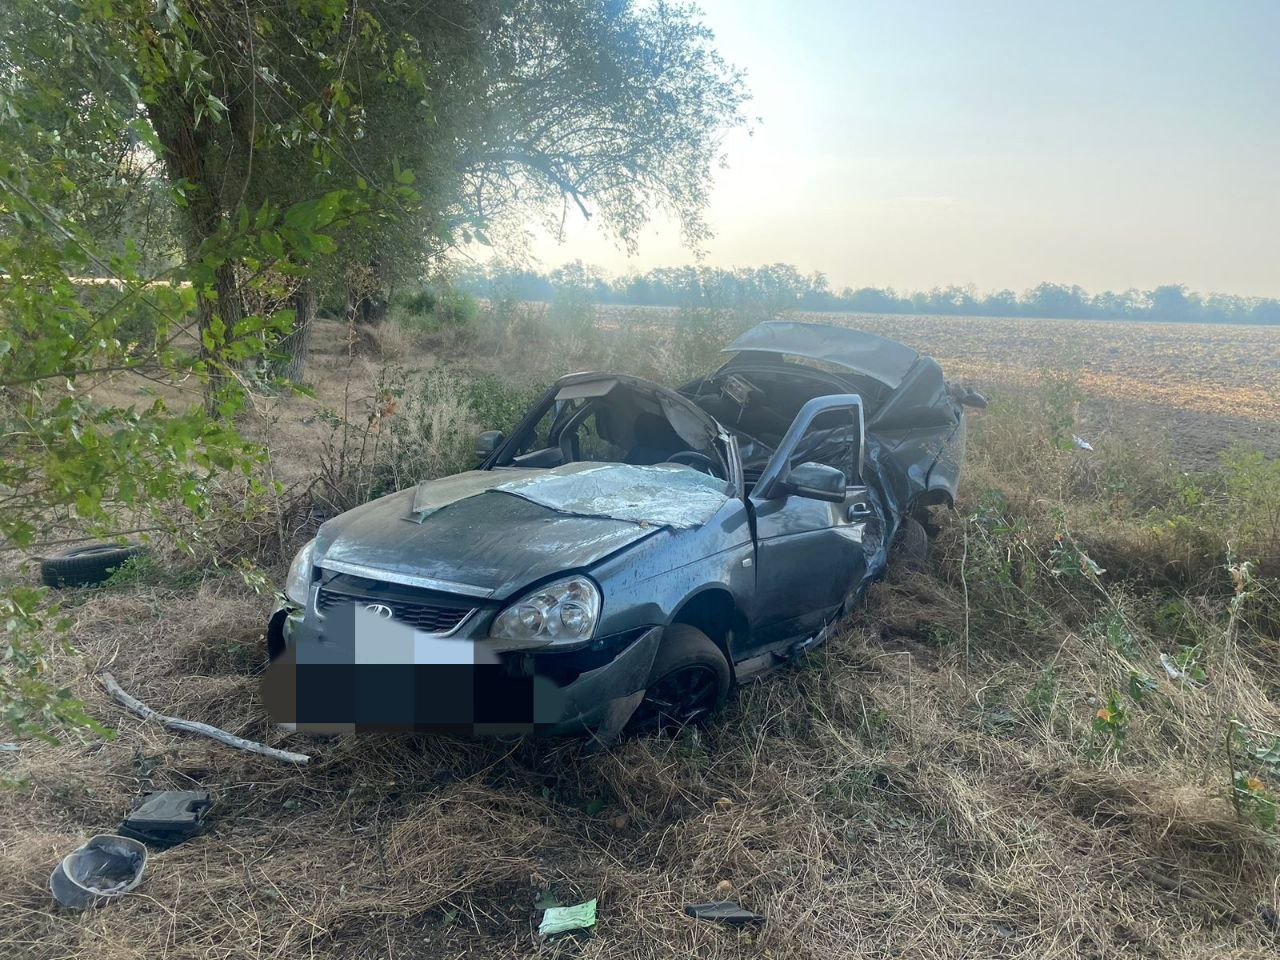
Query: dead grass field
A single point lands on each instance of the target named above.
(931, 784)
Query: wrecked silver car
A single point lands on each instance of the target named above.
(629, 552)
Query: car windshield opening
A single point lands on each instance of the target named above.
(607, 421)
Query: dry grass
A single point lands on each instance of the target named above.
(880, 800)
(930, 784)
(391, 341)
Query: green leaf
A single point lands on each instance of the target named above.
(327, 208)
(272, 244)
(302, 216)
(1268, 754)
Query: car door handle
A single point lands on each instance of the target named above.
(858, 511)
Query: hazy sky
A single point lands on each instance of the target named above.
(912, 144)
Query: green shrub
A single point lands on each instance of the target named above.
(499, 406)
(1252, 486)
(700, 335)
(457, 308)
(422, 303)
(433, 307)
(571, 311)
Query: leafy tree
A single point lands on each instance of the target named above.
(1003, 303)
(71, 463)
(612, 109)
(491, 108)
(252, 108)
(1170, 302)
(289, 148)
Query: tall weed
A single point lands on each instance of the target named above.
(1115, 576)
(413, 426)
(1251, 484)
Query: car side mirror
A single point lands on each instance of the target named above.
(488, 442)
(816, 481)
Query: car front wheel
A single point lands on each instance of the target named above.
(689, 681)
(911, 545)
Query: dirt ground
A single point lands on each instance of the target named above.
(928, 785)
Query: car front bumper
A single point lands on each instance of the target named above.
(453, 685)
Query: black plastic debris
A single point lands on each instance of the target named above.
(166, 818)
(723, 911)
(102, 870)
(1269, 917)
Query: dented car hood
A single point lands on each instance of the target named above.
(491, 531)
(486, 545)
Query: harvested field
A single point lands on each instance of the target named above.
(1204, 367)
(1208, 385)
(1205, 385)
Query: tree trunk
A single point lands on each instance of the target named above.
(230, 311)
(191, 151)
(296, 347)
(185, 146)
(373, 310)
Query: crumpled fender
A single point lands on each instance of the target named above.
(623, 676)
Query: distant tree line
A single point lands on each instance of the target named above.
(781, 286)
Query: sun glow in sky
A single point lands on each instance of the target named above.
(996, 143)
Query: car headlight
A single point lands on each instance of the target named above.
(298, 583)
(562, 612)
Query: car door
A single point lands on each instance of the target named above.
(810, 551)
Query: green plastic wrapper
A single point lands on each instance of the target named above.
(563, 919)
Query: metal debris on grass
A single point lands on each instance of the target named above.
(99, 871)
(723, 911)
(167, 817)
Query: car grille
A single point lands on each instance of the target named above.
(429, 617)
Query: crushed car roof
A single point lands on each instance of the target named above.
(877, 357)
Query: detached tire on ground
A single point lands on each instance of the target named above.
(84, 566)
(911, 544)
(688, 683)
